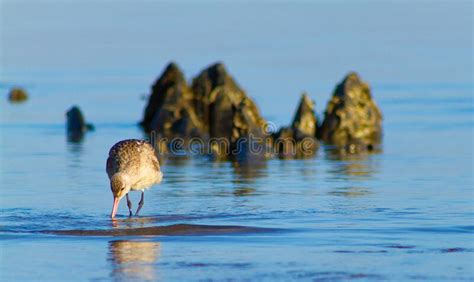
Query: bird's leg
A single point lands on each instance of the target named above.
(129, 204)
(140, 204)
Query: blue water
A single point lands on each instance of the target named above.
(404, 213)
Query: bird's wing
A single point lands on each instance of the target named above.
(110, 167)
(156, 164)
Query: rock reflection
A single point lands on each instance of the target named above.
(248, 172)
(244, 191)
(245, 175)
(75, 137)
(350, 191)
(75, 152)
(353, 167)
(134, 260)
(176, 160)
(174, 167)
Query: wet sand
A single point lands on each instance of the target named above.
(170, 230)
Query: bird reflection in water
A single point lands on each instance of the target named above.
(133, 222)
(134, 260)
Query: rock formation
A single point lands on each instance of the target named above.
(299, 139)
(305, 119)
(17, 95)
(170, 111)
(228, 113)
(352, 121)
(249, 142)
(76, 124)
(215, 109)
(212, 82)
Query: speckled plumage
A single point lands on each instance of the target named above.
(137, 160)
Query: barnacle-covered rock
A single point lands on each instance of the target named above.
(299, 139)
(352, 121)
(231, 118)
(170, 110)
(212, 82)
(17, 95)
(250, 141)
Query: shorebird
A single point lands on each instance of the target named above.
(132, 166)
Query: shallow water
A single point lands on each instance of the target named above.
(404, 213)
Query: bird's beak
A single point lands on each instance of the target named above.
(115, 207)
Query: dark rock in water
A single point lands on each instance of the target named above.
(232, 120)
(352, 121)
(221, 112)
(170, 110)
(17, 95)
(208, 84)
(291, 143)
(176, 117)
(298, 140)
(170, 77)
(249, 141)
(305, 118)
(217, 110)
(76, 125)
(285, 143)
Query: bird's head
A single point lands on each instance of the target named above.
(120, 188)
